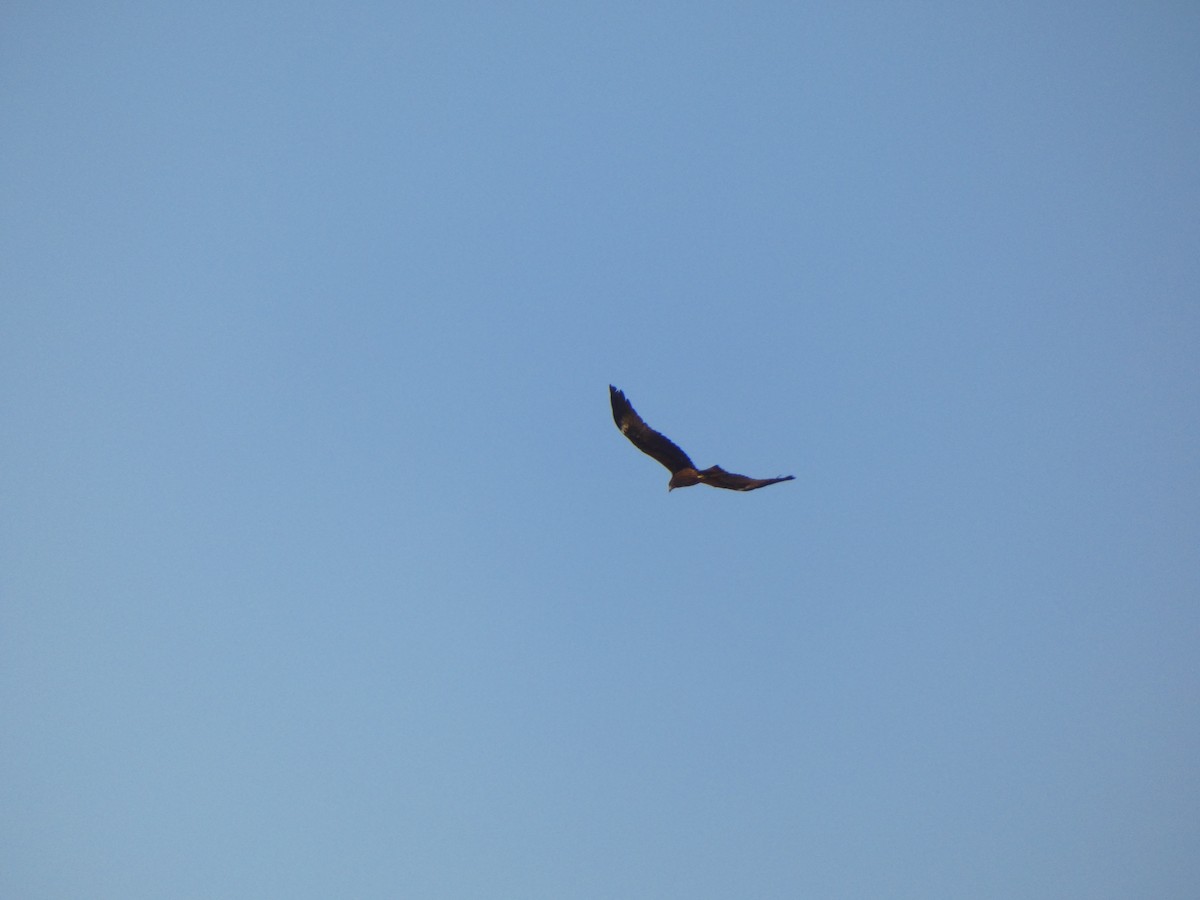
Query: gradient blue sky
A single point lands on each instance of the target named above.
(326, 574)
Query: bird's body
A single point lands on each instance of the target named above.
(683, 471)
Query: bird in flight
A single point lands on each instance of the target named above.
(683, 470)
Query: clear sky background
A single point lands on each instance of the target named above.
(325, 572)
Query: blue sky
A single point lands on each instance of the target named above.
(326, 573)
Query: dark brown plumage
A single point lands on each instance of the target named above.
(683, 470)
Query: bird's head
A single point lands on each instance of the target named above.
(684, 478)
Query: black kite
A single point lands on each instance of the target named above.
(683, 470)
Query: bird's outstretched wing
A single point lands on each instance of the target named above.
(646, 438)
(719, 478)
